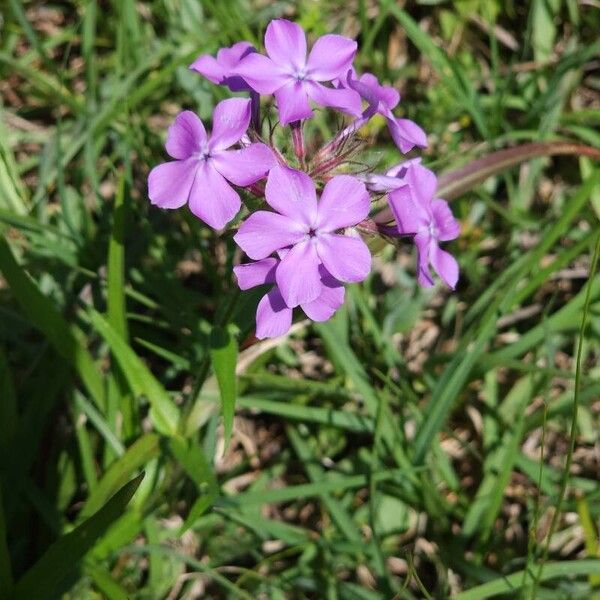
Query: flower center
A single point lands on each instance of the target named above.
(301, 74)
(433, 230)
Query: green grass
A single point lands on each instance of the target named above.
(422, 444)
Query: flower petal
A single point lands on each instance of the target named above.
(342, 99)
(380, 98)
(444, 264)
(186, 135)
(330, 299)
(423, 183)
(273, 317)
(346, 257)
(424, 244)
(256, 273)
(245, 166)
(331, 56)
(292, 102)
(344, 203)
(261, 73)
(169, 184)
(292, 193)
(401, 169)
(286, 43)
(406, 134)
(219, 70)
(448, 227)
(209, 67)
(264, 232)
(297, 276)
(410, 215)
(212, 199)
(231, 118)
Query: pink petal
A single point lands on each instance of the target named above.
(331, 56)
(387, 95)
(292, 193)
(219, 69)
(448, 227)
(231, 118)
(406, 134)
(245, 166)
(256, 273)
(212, 199)
(297, 275)
(423, 183)
(444, 264)
(273, 317)
(424, 243)
(344, 203)
(410, 215)
(264, 232)
(292, 102)
(169, 184)
(186, 135)
(342, 99)
(230, 57)
(286, 43)
(330, 299)
(261, 73)
(401, 168)
(346, 258)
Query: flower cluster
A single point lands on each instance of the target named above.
(304, 239)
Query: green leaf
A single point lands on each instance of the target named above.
(5, 562)
(43, 316)
(223, 354)
(116, 262)
(53, 569)
(163, 411)
(136, 456)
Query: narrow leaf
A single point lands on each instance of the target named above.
(45, 578)
(223, 354)
(163, 411)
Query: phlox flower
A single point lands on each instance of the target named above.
(273, 316)
(309, 229)
(418, 212)
(204, 165)
(293, 77)
(383, 99)
(221, 70)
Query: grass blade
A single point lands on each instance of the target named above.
(45, 578)
(223, 355)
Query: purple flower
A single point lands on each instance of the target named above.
(294, 78)
(204, 165)
(418, 212)
(220, 70)
(273, 316)
(308, 229)
(383, 99)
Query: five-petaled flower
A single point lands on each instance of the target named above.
(204, 164)
(419, 213)
(293, 77)
(273, 315)
(309, 229)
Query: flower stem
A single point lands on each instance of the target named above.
(255, 111)
(298, 142)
